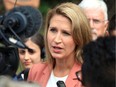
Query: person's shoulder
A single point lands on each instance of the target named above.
(39, 66)
(37, 70)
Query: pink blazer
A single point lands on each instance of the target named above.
(40, 73)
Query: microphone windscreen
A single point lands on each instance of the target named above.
(25, 20)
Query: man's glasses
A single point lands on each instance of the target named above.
(96, 21)
(79, 76)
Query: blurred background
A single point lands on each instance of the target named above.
(48, 4)
(45, 5)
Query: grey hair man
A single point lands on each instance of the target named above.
(96, 12)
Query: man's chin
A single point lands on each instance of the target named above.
(94, 36)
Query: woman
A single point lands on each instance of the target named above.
(34, 54)
(66, 32)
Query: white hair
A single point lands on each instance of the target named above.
(99, 4)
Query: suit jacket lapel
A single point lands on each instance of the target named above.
(71, 80)
(45, 76)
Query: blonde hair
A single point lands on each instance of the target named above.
(81, 32)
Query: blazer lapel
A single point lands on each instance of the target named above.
(45, 76)
(71, 81)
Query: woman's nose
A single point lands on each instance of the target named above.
(26, 56)
(57, 38)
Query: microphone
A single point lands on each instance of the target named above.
(17, 43)
(21, 21)
(24, 20)
(60, 84)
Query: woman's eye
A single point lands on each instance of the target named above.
(22, 52)
(66, 33)
(31, 51)
(53, 30)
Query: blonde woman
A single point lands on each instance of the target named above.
(67, 30)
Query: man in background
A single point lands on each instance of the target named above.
(96, 12)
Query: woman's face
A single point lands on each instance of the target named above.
(59, 37)
(30, 57)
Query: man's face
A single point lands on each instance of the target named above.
(97, 22)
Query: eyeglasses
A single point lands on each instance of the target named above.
(79, 76)
(96, 21)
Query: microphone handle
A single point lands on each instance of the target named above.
(60, 84)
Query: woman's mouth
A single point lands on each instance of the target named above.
(56, 49)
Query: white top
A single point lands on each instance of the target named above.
(53, 80)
